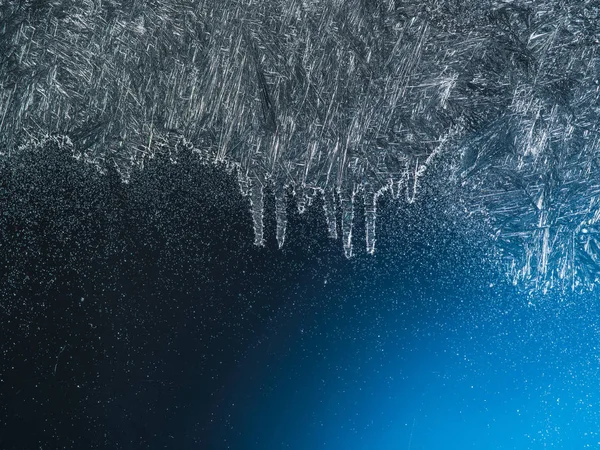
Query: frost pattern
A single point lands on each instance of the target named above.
(334, 98)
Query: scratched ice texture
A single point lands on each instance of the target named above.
(335, 98)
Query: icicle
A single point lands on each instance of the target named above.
(301, 199)
(370, 217)
(280, 215)
(257, 207)
(347, 199)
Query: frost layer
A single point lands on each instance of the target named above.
(333, 97)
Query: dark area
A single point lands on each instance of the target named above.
(126, 308)
(141, 316)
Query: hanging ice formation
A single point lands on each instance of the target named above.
(334, 97)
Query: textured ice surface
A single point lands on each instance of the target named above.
(334, 97)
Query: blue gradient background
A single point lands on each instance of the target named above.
(146, 319)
